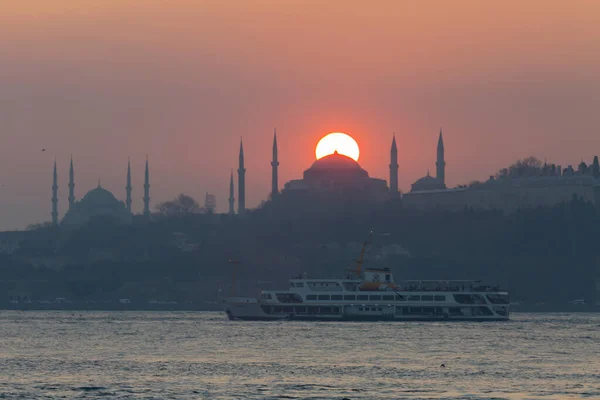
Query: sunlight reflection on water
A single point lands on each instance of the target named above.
(203, 355)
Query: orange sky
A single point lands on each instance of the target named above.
(181, 81)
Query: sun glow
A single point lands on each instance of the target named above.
(340, 142)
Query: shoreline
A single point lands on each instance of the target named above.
(203, 307)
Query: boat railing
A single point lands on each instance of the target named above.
(457, 288)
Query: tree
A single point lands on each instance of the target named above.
(526, 167)
(182, 205)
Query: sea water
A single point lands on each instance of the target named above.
(202, 355)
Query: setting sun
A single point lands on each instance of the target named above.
(342, 143)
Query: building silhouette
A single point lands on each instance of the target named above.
(231, 195)
(275, 166)
(241, 182)
(98, 202)
(394, 168)
(147, 191)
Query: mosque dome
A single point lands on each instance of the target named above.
(427, 182)
(97, 203)
(99, 197)
(337, 165)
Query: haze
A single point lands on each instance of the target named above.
(182, 81)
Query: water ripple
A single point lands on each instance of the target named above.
(186, 355)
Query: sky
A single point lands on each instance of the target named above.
(181, 81)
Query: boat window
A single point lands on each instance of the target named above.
(388, 297)
(379, 309)
(301, 310)
(387, 277)
(325, 310)
(440, 298)
(299, 284)
(469, 299)
(414, 298)
(399, 297)
(289, 298)
(362, 297)
(336, 297)
(335, 309)
(288, 309)
(360, 308)
(311, 297)
(349, 297)
(323, 297)
(427, 298)
(375, 297)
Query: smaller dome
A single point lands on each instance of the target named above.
(426, 180)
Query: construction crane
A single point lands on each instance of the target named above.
(361, 257)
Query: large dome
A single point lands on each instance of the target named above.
(337, 164)
(98, 202)
(99, 197)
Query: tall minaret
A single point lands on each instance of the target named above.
(231, 195)
(274, 165)
(128, 187)
(440, 164)
(241, 183)
(147, 191)
(71, 185)
(394, 167)
(55, 197)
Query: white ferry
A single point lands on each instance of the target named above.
(373, 295)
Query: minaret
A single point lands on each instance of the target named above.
(440, 165)
(231, 195)
(147, 191)
(241, 183)
(128, 187)
(71, 185)
(274, 165)
(394, 167)
(55, 197)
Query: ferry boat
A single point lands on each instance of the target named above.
(372, 294)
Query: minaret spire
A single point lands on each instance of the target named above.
(241, 182)
(394, 167)
(231, 195)
(128, 187)
(71, 184)
(147, 190)
(275, 167)
(441, 163)
(55, 196)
